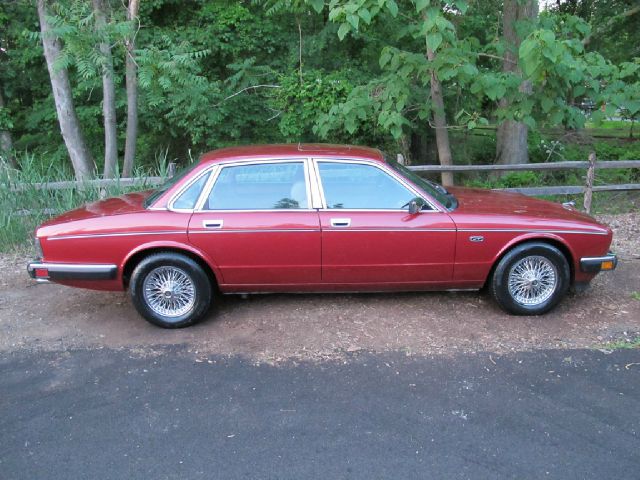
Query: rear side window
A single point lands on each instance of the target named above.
(267, 186)
(188, 198)
(360, 186)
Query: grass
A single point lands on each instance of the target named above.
(631, 343)
(23, 209)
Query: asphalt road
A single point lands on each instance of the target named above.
(119, 414)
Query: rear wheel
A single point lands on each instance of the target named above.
(170, 290)
(531, 279)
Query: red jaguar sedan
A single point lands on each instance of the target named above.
(318, 218)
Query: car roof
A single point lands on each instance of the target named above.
(294, 150)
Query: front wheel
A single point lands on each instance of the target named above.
(170, 290)
(531, 279)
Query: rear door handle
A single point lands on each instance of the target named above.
(212, 223)
(340, 222)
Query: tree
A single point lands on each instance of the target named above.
(132, 91)
(431, 52)
(69, 125)
(108, 92)
(511, 135)
(439, 114)
(6, 142)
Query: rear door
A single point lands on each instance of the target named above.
(368, 235)
(257, 225)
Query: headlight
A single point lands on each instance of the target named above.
(38, 247)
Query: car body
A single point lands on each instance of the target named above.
(317, 218)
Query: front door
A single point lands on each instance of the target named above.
(368, 235)
(257, 225)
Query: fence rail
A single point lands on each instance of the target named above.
(590, 166)
(573, 165)
(97, 183)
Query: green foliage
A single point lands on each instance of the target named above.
(300, 101)
(214, 73)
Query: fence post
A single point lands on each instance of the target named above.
(171, 171)
(588, 189)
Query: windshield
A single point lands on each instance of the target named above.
(170, 182)
(436, 190)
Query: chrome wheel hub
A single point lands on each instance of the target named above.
(532, 280)
(169, 291)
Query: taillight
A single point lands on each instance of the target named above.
(41, 273)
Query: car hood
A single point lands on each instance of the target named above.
(129, 203)
(477, 201)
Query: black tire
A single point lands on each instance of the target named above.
(552, 287)
(189, 297)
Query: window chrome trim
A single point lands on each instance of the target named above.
(234, 163)
(434, 207)
(184, 188)
(317, 200)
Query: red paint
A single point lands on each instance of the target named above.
(299, 250)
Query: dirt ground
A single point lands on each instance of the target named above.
(272, 328)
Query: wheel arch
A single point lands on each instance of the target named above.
(136, 256)
(550, 239)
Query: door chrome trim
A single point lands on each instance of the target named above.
(356, 229)
(257, 230)
(116, 234)
(527, 230)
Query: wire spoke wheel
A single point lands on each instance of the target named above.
(532, 280)
(169, 291)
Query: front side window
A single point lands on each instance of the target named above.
(360, 186)
(265, 186)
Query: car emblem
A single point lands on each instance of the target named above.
(476, 238)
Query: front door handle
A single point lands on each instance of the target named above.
(212, 223)
(340, 222)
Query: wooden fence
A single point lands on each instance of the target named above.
(590, 166)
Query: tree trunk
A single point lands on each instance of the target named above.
(6, 142)
(67, 118)
(108, 95)
(132, 94)
(511, 136)
(440, 123)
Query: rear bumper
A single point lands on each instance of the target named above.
(598, 264)
(43, 271)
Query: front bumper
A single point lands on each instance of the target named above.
(598, 264)
(43, 271)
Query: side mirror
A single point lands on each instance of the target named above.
(414, 207)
